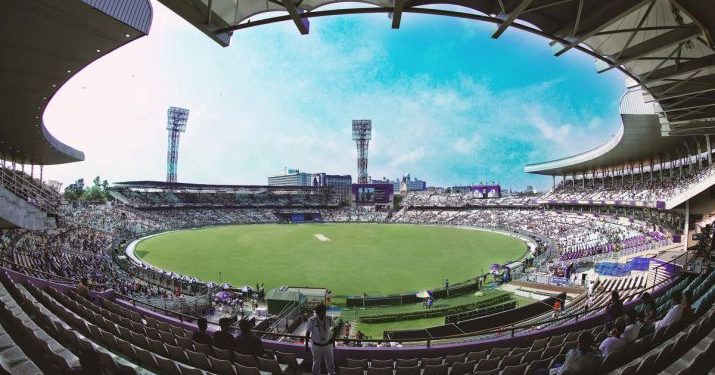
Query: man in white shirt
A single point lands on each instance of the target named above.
(633, 329)
(615, 341)
(674, 314)
(320, 330)
(584, 360)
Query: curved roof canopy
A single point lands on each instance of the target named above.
(638, 140)
(46, 42)
(665, 45)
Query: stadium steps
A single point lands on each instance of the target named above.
(84, 329)
(693, 357)
(13, 360)
(140, 343)
(42, 342)
(672, 350)
(76, 327)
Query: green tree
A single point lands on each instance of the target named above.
(74, 191)
(97, 192)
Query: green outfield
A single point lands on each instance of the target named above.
(349, 259)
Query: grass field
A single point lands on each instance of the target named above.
(349, 259)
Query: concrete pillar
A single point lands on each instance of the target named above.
(698, 156)
(708, 149)
(687, 156)
(686, 225)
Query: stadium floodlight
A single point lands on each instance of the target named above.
(362, 133)
(177, 118)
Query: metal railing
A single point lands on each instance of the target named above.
(509, 330)
(29, 189)
(6, 263)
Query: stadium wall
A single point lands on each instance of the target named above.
(16, 212)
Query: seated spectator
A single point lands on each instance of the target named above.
(201, 336)
(223, 339)
(615, 341)
(650, 312)
(614, 310)
(584, 360)
(83, 288)
(248, 342)
(633, 328)
(675, 314)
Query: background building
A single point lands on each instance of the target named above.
(395, 183)
(340, 183)
(409, 184)
(290, 177)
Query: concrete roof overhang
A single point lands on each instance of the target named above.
(638, 140)
(45, 43)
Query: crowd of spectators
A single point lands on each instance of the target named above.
(81, 246)
(241, 197)
(639, 187)
(429, 198)
(577, 236)
(70, 251)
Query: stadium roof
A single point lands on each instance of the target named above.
(638, 140)
(664, 45)
(190, 186)
(46, 42)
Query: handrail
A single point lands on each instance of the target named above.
(29, 189)
(491, 331)
(49, 275)
(182, 317)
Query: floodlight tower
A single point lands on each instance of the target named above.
(362, 133)
(176, 124)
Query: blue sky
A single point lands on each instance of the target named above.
(448, 103)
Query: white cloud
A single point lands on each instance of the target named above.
(465, 145)
(275, 98)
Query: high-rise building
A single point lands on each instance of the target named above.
(409, 184)
(290, 177)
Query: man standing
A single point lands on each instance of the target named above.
(320, 330)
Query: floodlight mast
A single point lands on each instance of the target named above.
(362, 133)
(177, 118)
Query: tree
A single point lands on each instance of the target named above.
(74, 191)
(97, 193)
